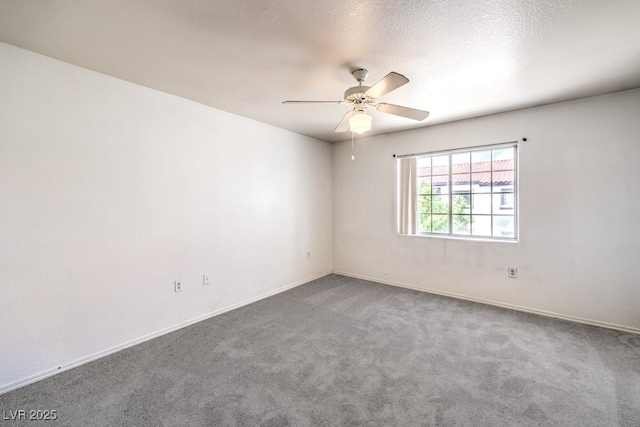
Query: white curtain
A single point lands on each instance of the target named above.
(407, 221)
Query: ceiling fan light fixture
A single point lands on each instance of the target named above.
(360, 122)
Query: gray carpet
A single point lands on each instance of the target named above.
(345, 352)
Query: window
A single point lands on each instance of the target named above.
(461, 193)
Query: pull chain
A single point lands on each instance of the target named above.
(353, 158)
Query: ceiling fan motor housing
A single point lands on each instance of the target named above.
(356, 95)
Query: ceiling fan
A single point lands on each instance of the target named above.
(361, 97)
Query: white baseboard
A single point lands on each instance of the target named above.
(590, 322)
(90, 358)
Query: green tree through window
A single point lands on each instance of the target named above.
(433, 210)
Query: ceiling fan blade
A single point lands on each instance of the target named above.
(344, 124)
(390, 82)
(313, 102)
(397, 110)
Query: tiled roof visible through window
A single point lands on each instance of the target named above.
(479, 173)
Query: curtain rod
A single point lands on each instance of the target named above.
(478, 147)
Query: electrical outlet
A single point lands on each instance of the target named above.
(177, 286)
(205, 279)
(512, 272)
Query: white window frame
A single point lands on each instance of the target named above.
(407, 195)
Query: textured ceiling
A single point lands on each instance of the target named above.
(463, 58)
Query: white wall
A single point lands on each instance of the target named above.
(111, 191)
(579, 207)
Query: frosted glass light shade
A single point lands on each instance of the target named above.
(360, 123)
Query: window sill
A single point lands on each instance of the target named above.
(484, 239)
